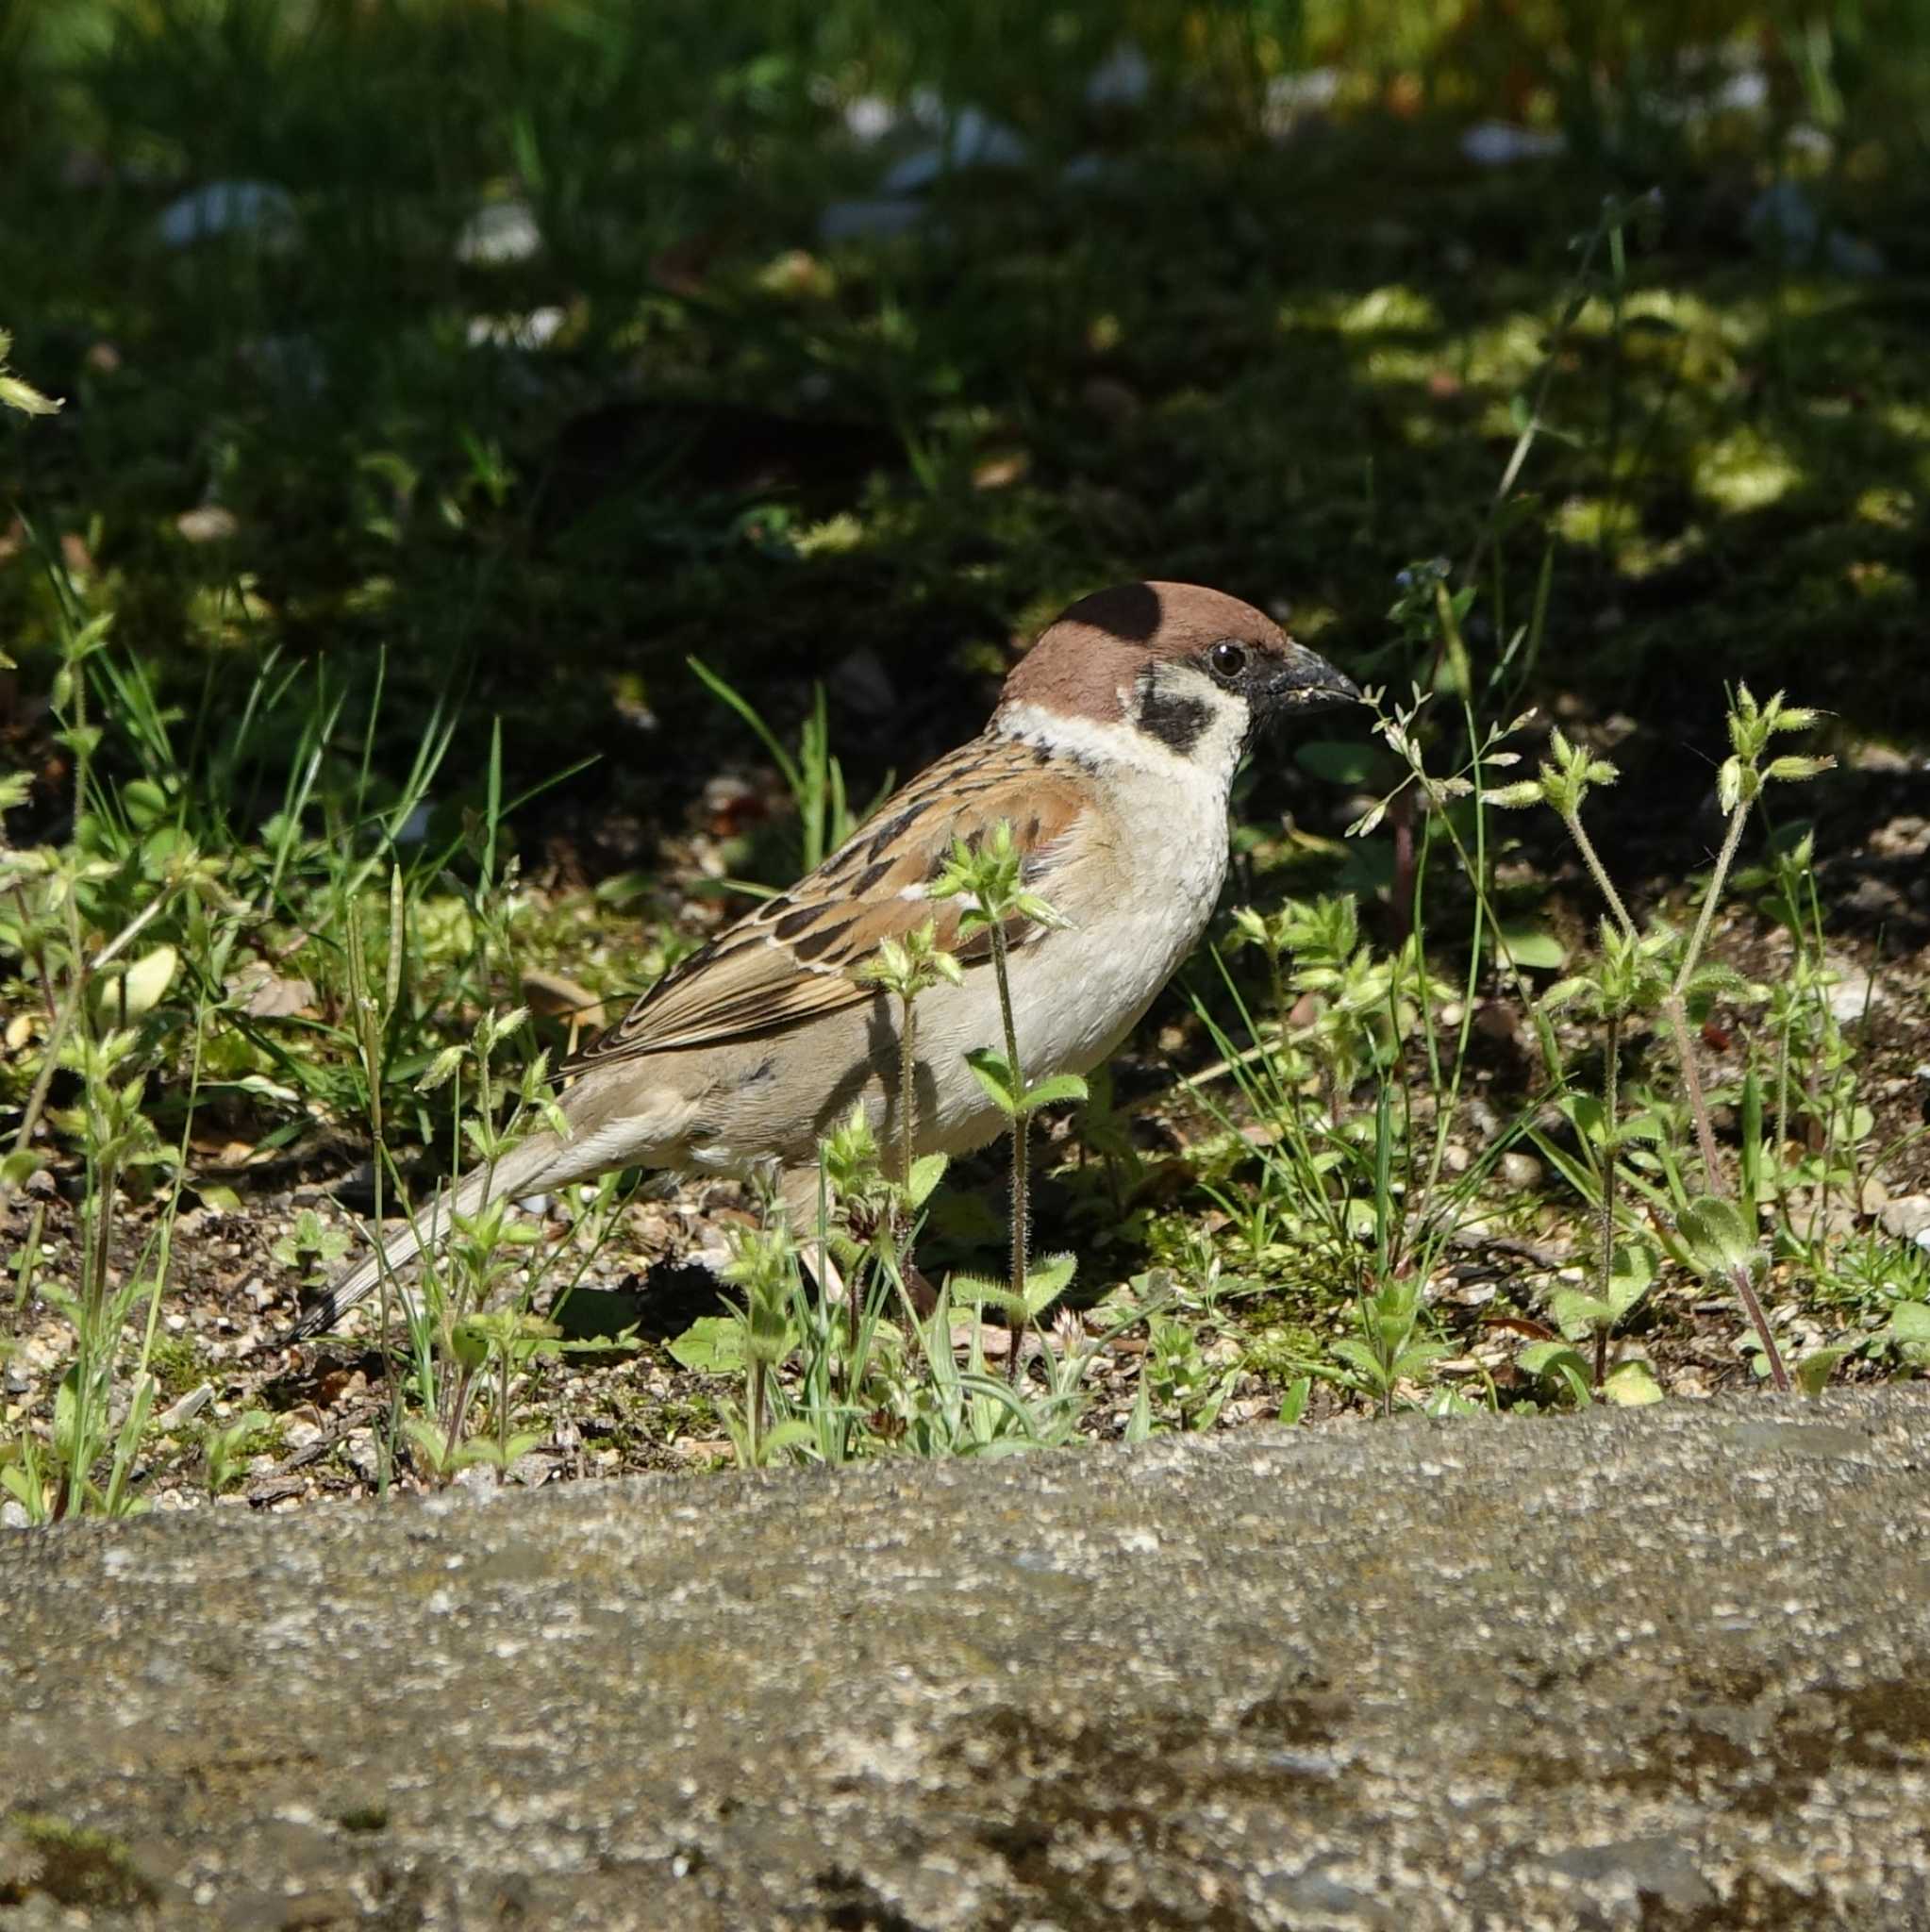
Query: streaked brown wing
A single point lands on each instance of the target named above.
(790, 959)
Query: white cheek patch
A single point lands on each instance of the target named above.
(1211, 722)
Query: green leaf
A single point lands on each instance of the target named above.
(28, 1492)
(1554, 1361)
(24, 396)
(1293, 1404)
(1815, 1368)
(144, 802)
(713, 1345)
(926, 1172)
(1566, 991)
(996, 1077)
(1631, 1275)
(1424, 1354)
(1797, 768)
(1046, 1279)
(148, 980)
(1532, 946)
(430, 1441)
(1630, 1385)
(1712, 980)
(1515, 797)
(1910, 1321)
(981, 1291)
(1578, 1315)
(1054, 1092)
(1209, 1412)
(794, 1433)
(67, 1406)
(1716, 1238)
(1362, 1360)
(1729, 784)
(441, 1068)
(140, 1403)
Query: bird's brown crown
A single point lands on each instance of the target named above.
(1087, 662)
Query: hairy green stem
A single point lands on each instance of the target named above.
(1585, 845)
(1676, 1011)
(1677, 1014)
(1445, 1115)
(1691, 1080)
(1605, 1266)
(1022, 1123)
(1732, 836)
(1572, 309)
(83, 755)
(907, 1092)
(502, 1416)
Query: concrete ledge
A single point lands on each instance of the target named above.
(1661, 1669)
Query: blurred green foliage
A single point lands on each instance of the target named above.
(1252, 318)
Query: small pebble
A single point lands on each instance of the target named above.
(1520, 1170)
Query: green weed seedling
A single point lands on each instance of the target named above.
(310, 1249)
(867, 1220)
(763, 1264)
(905, 969)
(226, 1448)
(816, 1388)
(1906, 1336)
(1712, 1233)
(110, 1015)
(1388, 1347)
(1176, 1380)
(988, 877)
(1591, 1319)
(488, 1351)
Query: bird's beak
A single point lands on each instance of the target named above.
(1305, 681)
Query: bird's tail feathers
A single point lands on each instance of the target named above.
(543, 1161)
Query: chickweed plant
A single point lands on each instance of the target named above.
(906, 967)
(79, 916)
(1660, 971)
(818, 1386)
(240, 915)
(1371, 1187)
(987, 877)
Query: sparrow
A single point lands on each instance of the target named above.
(1111, 755)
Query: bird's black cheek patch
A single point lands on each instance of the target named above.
(1176, 720)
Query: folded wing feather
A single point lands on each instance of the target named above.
(791, 960)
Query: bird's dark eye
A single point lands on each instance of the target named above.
(1227, 658)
